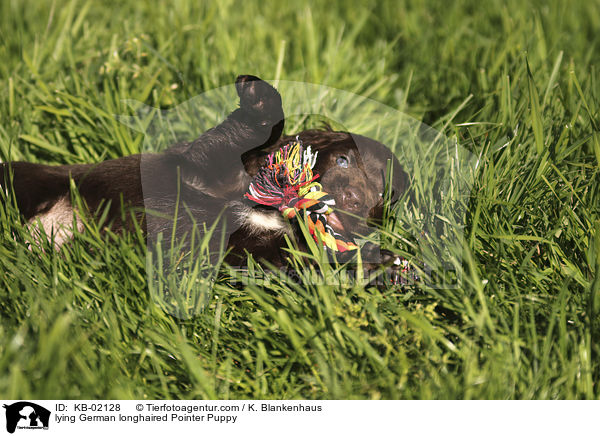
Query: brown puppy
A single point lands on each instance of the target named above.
(203, 181)
(200, 175)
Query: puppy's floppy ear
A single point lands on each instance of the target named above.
(400, 181)
(399, 184)
(385, 168)
(377, 159)
(396, 190)
(375, 217)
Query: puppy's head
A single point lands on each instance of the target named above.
(353, 169)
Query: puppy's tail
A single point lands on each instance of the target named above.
(4, 181)
(3, 170)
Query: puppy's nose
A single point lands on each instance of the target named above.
(351, 200)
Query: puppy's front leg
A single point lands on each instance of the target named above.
(212, 163)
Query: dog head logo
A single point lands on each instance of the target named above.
(26, 415)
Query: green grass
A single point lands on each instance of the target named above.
(515, 83)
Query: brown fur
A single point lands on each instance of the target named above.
(209, 179)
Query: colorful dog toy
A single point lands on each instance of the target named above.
(287, 182)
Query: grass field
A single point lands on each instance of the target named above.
(515, 83)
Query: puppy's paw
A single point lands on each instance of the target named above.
(398, 270)
(259, 100)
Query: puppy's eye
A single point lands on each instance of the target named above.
(342, 161)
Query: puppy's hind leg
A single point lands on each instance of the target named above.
(260, 109)
(213, 162)
(257, 122)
